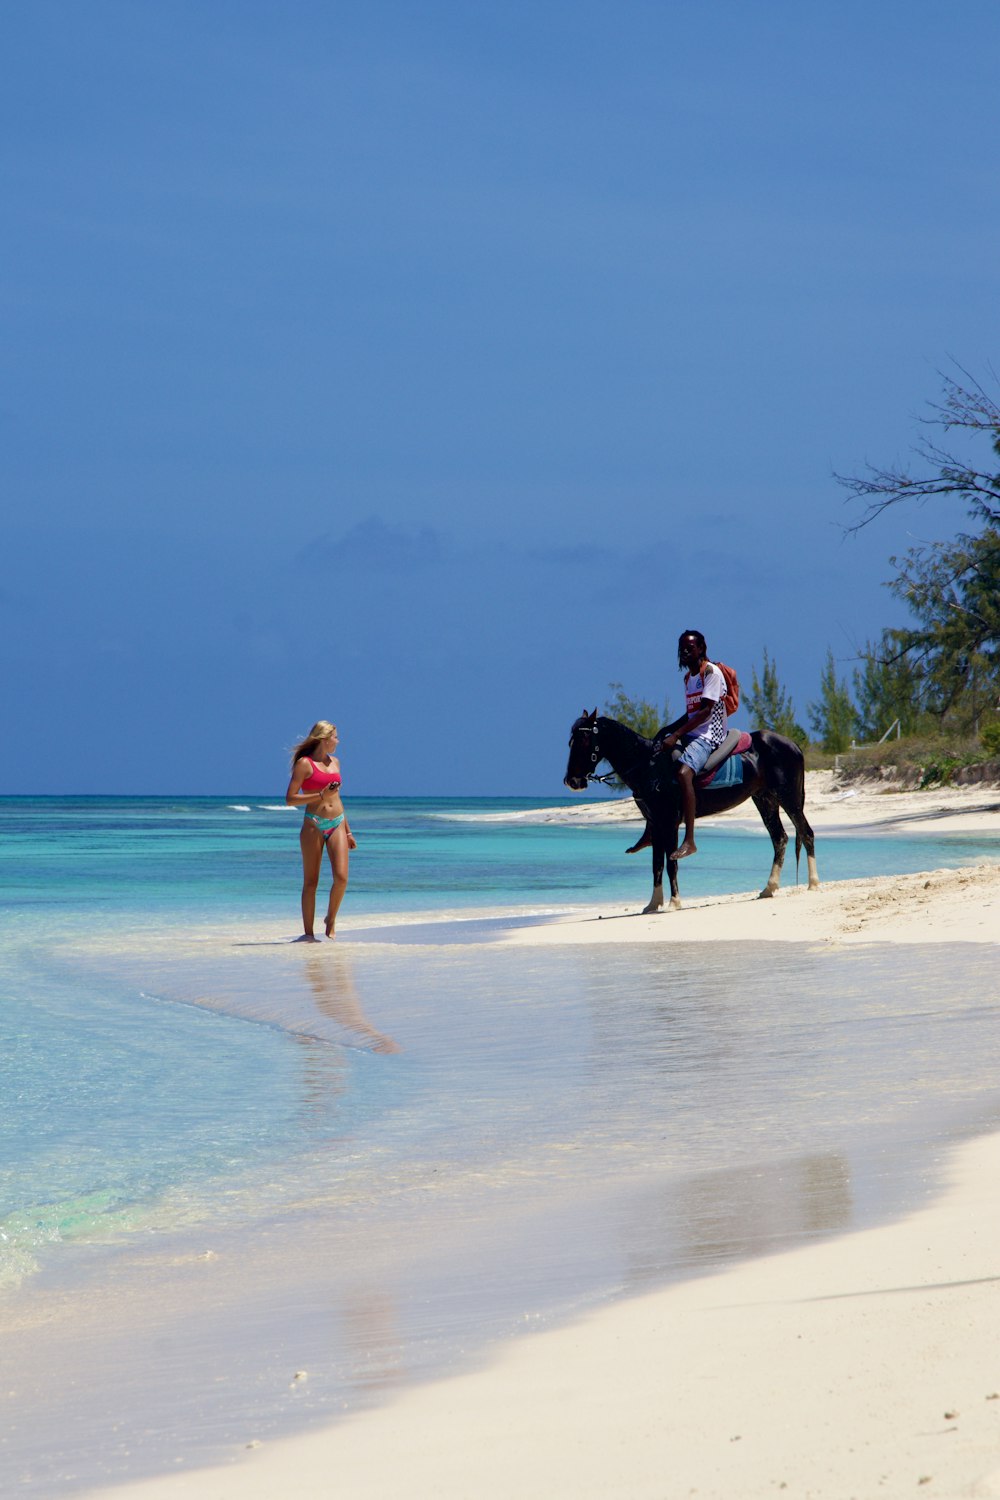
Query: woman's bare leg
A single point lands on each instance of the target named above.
(311, 844)
(339, 851)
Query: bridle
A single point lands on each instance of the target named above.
(596, 757)
(595, 754)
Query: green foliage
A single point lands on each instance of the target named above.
(833, 716)
(886, 688)
(916, 751)
(638, 713)
(952, 651)
(989, 737)
(953, 592)
(770, 706)
(940, 770)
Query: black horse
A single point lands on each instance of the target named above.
(773, 775)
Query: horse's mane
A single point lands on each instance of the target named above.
(625, 729)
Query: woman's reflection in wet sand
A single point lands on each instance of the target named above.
(365, 1332)
(332, 979)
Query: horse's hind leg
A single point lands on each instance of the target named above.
(790, 788)
(766, 804)
(804, 835)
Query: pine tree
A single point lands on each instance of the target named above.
(833, 716)
(888, 687)
(770, 706)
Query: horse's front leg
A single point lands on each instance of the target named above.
(660, 844)
(675, 894)
(656, 899)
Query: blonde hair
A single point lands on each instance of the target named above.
(320, 731)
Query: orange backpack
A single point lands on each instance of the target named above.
(732, 698)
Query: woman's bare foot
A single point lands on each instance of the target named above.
(330, 929)
(385, 1044)
(688, 847)
(307, 937)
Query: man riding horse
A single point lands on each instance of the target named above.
(692, 738)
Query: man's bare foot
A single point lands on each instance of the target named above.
(644, 843)
(688, 847)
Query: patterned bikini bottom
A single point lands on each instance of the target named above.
(324, 825)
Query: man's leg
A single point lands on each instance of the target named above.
(666, 767)
(685, 780)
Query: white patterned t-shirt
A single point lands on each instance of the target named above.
(712, 685)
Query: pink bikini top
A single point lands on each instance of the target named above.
(320, 778)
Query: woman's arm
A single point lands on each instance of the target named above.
(295, 796)
(352, 842)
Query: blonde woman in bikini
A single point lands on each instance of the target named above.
(315, 787)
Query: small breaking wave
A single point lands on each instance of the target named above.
(238, 807)
(606, 812)
(28, 1230)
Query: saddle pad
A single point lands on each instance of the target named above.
(730, 773)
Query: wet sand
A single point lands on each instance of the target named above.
(863, 1365)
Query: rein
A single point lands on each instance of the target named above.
(596, 757)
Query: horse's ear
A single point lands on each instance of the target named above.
(594, 714)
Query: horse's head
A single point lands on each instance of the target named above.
(584, 752)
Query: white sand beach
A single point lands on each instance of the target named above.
(861, 1366)
(933, 906)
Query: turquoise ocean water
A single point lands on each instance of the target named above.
(436, 1138)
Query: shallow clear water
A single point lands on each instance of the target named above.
(430, 1135)
(163, 858)
(115, 1093)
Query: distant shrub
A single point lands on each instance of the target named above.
(989, 737)
(940, 770)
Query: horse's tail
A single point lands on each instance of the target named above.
(800, 797)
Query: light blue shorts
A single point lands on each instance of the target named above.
(695, 752)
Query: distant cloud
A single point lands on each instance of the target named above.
(376, 545)
(585, 555)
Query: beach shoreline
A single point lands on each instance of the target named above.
(824, 1370)
(831, 806)
(861, 1365)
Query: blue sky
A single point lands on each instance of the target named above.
(428, 368)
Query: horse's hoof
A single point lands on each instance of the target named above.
(652, 908)
(766, 894)
(814, 885)
(675, 904)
